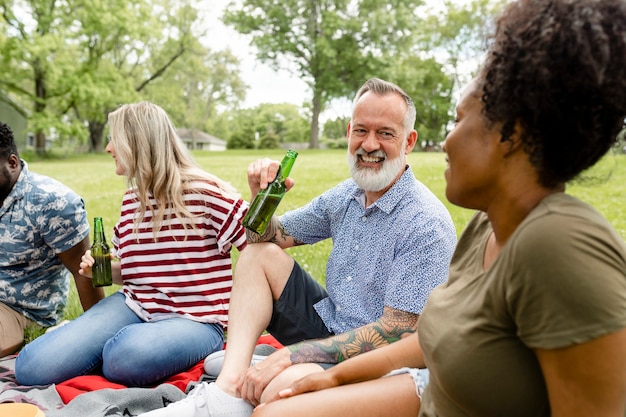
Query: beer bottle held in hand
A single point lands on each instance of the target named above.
(264, 205)
(101, 270)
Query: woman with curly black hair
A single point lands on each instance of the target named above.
(532, 320)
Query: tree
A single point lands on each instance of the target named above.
(199, 85)
(272, 124)
(88, 56)
(457, 35)
(335, 131)
(36, 62)
(431, 89)
(269, 140)
(244, 135)
(334, 45)
(129, 46)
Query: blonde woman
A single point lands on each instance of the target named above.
(177, 226)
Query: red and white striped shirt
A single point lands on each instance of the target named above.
(185, 272)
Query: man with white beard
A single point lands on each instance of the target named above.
(392, 244)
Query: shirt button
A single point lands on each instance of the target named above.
(349, 279)
(364, 218)
(356, 247)
(337, 308)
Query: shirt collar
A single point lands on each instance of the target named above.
(19, 189)
(388, 201)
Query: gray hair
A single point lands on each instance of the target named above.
(382, 87)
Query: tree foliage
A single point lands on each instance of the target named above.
(73, 61)
(334, 45)
(267, 126)
(199, 86)
(76, 60)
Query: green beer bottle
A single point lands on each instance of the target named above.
(264, 205)
(101, 270)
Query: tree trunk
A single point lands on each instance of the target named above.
(315, 118)
(40, 142)
(40, 106)
(96, 130)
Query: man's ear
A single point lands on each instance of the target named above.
(348, 132)
(410, 142)
(13, 161)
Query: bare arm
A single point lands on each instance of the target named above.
(391, 327)
(372, 365)
(588, 379)
(86, 292)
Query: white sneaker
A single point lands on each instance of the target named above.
(205, 400)
(214, 362)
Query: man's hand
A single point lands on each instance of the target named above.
(263, 171)
(258, 376)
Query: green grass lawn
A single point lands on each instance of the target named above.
(93, 177)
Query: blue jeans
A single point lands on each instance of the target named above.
(110, 339)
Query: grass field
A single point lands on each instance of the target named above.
(93, 177)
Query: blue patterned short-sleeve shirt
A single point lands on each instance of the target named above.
(393, 253)
(39, 219)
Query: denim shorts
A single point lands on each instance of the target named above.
(294, 319)
(420, 378)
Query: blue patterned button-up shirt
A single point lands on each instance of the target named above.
(393, 253)
(39, 218)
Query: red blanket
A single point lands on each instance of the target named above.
(71, 388)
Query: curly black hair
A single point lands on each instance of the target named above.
(558, 67)
(7, 142)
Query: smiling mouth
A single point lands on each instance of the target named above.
(371, 159)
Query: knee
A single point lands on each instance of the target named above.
(22, 371)
(30, 369)
(10, 345)
(288, 377)
(260, 253)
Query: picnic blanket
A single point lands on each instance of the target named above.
(95, 396)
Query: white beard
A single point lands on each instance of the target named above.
(370, 179)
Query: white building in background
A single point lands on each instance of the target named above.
(201, 141)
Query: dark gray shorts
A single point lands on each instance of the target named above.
(294, 319)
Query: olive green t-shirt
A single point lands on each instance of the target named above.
(559, 280)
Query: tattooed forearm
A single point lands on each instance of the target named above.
(390, 328)
(275, 233)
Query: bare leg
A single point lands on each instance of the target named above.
(390, 396)
(260, 276)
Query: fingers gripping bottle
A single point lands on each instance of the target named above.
(101, 270)
(264, 205)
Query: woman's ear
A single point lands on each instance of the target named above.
(514, 141)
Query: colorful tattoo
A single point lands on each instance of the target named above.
(388, 329)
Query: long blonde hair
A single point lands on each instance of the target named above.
(156, 162)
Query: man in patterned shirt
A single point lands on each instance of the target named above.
(392, 244)
(43, 233)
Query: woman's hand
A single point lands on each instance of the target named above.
(313, 382)
(86, 262)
